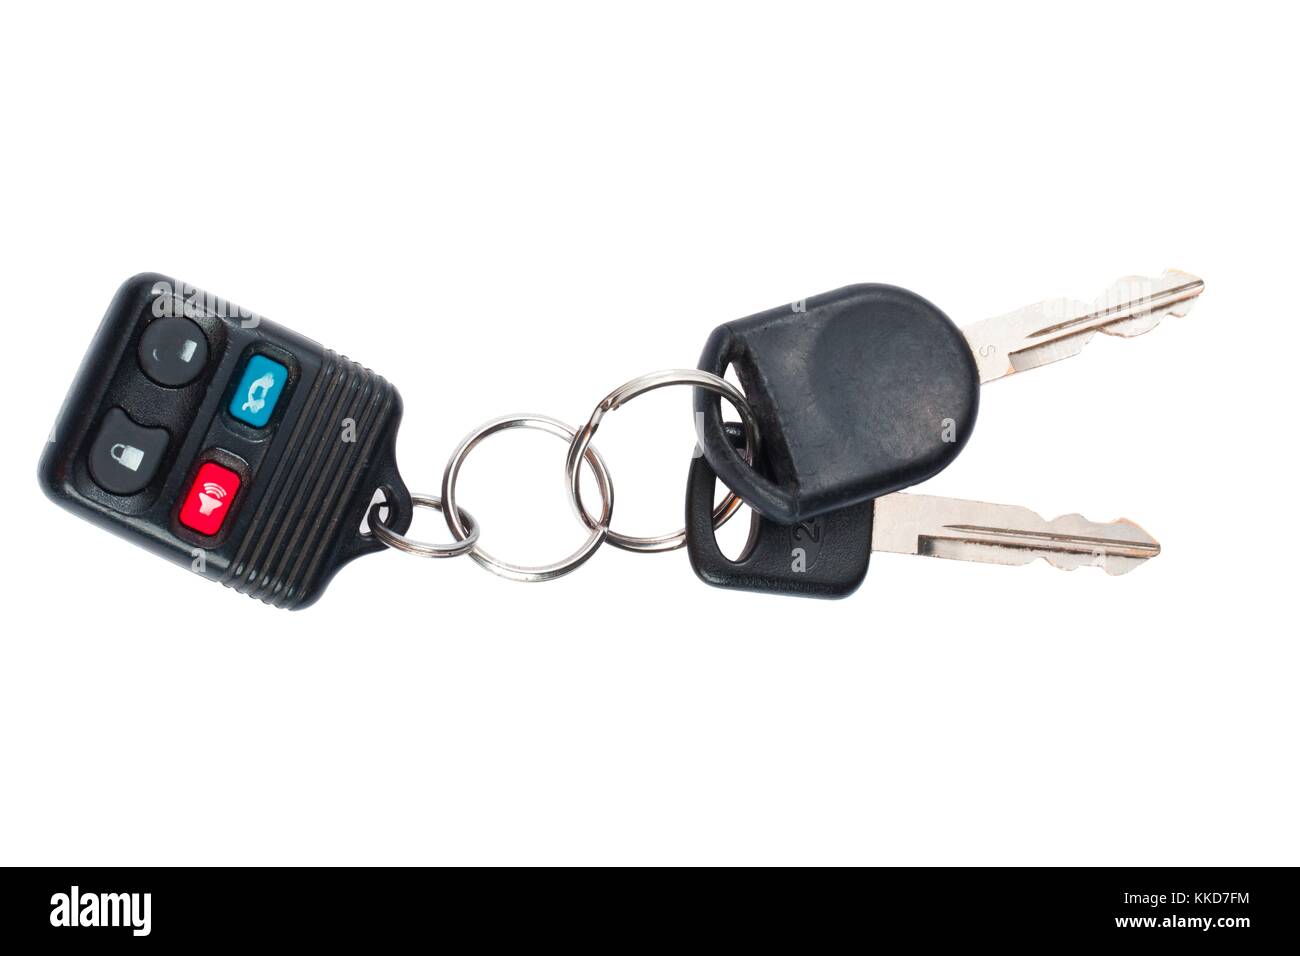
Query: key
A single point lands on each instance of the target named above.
(1059, 328)
(870, 389)
(1006, 534)
(226, 443)
(828, 555)
(857, 393)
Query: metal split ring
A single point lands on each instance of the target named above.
(465, 529)
(580, 447)
(459, 528)
(402, 543)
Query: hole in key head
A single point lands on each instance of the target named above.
(729, 373)
(733, 538)
(379, 497)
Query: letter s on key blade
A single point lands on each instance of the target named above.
(1059, 328)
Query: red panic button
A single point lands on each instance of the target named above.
(209, 498)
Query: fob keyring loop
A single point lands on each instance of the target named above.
(419, 548)
(580, 447)
(518, 572)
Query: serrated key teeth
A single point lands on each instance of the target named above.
(1194, 287)
(1117, 547)
(1006, 534)
(1060, 328)
(1136, 304)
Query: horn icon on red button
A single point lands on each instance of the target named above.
(210, 498)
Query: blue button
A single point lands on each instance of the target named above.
(258, 391)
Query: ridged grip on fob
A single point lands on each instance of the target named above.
(306, 522)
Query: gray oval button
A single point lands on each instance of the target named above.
(125, 456)
(173, 351)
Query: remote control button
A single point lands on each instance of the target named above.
(125, 456)
(173, 351)
(254, 400)
(209, 499)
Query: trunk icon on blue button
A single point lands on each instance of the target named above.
(258, 391)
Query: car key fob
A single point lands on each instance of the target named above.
(226, 443)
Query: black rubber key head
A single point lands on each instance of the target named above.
(825, 556)
(858, 393)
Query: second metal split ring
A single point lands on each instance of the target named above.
(621, 396)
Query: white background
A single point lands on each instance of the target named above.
(517, 208)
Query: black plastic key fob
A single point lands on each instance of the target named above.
(858, 393)
(226, 443)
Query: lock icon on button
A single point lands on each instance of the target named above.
(128, 456)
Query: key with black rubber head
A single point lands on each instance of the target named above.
(870, 389)
(827, 555)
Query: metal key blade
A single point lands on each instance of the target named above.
(1005, 534)
(1058, 328)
